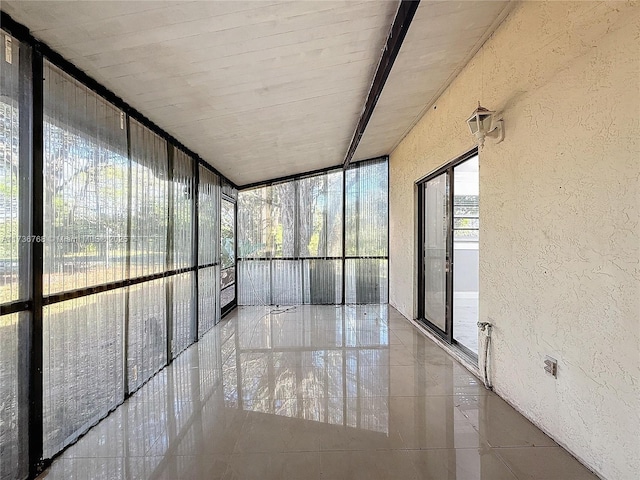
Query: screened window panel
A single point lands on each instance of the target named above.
(14, 375)
(283, 220)
(303, 219)
(322, 280)
(15, 194)
(367, 203)
(227, 286)
(208, 298)
(366, 280)
(85, 186)
(254, 223)
(183, 191)
(149, 201)
(254, 287)
(229, 191)
(228, 251)
(15, 268)
(286, 282)
(228, 277)
(147, 352)
(82, 365)
(208, 218)
(227, 233)
(227, 296)
(320, 215)
(267, 222)
(183, 297)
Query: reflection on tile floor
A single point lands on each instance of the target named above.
(315, 392)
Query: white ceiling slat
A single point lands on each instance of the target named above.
(440, 40)
(274, 87)
(263, 89)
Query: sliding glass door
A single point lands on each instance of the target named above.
(435, 252)
(449, 269)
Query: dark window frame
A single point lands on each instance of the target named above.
(447, 334)
(33, 55)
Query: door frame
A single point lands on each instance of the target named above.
(233, 304)
(447, 169)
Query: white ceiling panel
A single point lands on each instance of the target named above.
(442, 38)
(258, 89)
(264, 89)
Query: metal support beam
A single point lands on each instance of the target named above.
(37, 225)
(127, 299)
(399, 28)
(25, 199)
(344, 237)
(168, 285)
(195, 205)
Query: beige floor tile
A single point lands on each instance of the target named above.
(315, 393)
(500, 425)
(366, 465)
(274, 466)
(459, 464)
(543, 463)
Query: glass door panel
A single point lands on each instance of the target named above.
(449, 261)
(436, 229)
(466, 266)
(228, 254)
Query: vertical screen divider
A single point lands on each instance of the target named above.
(344, 235)
(36, 387)
(125, 330)
(195, 205)
(169, 262)
(25, 201)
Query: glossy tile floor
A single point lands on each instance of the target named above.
(315, 392)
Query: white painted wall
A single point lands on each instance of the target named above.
(559, 207)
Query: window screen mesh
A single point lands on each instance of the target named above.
(83, 371)
(183, 191)
(290, 239)
(14, 335)
(15, 268)
(208, 217)
(149, 201)
(15, 152)
(85, 186)
(119, 204)
(320, 215)
(366, 207)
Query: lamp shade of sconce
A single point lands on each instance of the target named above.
(483, 123)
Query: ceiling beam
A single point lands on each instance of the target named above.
(399, 28)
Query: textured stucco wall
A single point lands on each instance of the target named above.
(559, 207)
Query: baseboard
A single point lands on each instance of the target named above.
(466, 362)
(458, 354)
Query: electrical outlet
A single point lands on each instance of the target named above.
(551, 366)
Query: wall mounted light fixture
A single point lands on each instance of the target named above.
(485, 123)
